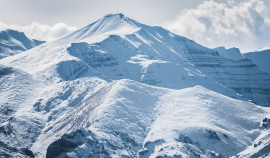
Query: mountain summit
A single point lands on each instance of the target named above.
(111, 24)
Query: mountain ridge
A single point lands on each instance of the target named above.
(13, 42)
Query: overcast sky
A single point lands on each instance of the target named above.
(240, 23)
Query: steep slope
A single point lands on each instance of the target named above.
(260, 58)
(27, 103)
(132, 119)
(13, 42)
(231, 53)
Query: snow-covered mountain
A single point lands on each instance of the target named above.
(13, 42)
(260, 58)
(120, 88)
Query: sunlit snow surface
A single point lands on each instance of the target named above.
(119, 88)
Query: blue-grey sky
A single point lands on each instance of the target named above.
(239, 23)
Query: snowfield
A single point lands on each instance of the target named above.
(119, 88)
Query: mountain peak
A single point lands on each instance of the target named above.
(120, 15)
(111, 24)
(116, 19)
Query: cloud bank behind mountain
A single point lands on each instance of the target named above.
(41, 31)
(234, 24)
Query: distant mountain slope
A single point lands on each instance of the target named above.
(260, 58)
(231, 53)
(13, 42)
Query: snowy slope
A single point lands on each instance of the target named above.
(231, 53)
(17, 92)
(13, 42)
(69, 89)
(27, 102)
(260, 58)
(127, 118)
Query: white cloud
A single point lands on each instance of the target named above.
(41, 31)
(234, 24)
